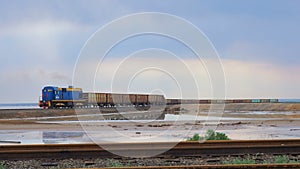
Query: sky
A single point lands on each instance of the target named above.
(257, 42)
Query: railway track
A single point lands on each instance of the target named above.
(182, 149)
(253, 166)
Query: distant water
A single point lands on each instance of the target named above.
(289, 100)
(19, 106)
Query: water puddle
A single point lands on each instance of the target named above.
(42, 137)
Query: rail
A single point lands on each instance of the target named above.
(253, 166)
(192, 149)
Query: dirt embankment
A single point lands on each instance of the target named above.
(71, 114)
(234, 107)
(263, 107)
(27, 113)
(255, 106)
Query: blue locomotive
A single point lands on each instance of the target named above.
(53, 96)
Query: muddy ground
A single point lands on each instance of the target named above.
(238, 121)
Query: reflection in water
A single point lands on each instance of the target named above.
(63, 137)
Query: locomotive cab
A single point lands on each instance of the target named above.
(49, 93)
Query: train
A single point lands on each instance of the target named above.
(55, 97)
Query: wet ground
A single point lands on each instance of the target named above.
(88, 127)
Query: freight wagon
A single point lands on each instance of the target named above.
(173, 101)
(228, 101)
(114, 99)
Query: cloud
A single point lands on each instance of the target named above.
(35, 54)
(260, 80)
(272, 53)
(244, 79)
(94, 12)
(25, 85)
(45, 44)
(175, 78)
(39, 42)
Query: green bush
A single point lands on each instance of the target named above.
(283, 159)
(210, 135)
(241, 161)
(117, 163)
(196, 137)
(2, 166)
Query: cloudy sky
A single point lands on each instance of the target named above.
(257, 42)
